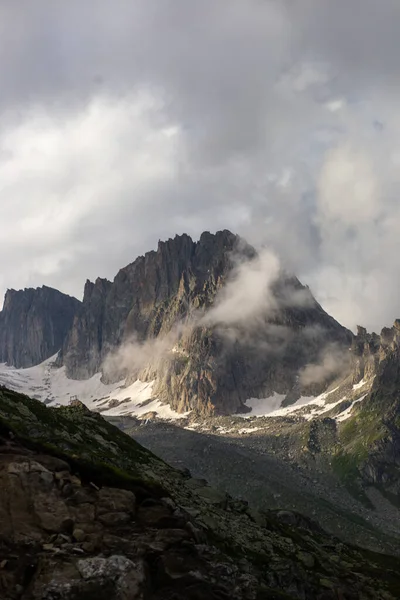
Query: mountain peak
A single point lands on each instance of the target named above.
(172, 293)
(33, 324)
(163, 295)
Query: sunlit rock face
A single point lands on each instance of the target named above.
(201, 359)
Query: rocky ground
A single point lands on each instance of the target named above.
(86, 512)
(270, 468)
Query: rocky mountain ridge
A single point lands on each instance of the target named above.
(34, 324)
(163, 299)
(146, 298)
(339, 464)
(370, 438)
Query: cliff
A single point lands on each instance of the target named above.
(34, 324)
(370, 438)
(208, 365)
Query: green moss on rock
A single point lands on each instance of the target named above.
(85, 439)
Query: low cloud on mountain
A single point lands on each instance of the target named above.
(333, 361)
(248, 294)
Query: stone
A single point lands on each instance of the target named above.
(327, 583)
(47, 477)
(160, 517)
(25, 467)
(67, 490)
(115, 500)
(52, 513)
(209, 522)
(113, 566)
(307, 559)
(212, 496)
(114, 519)
(79, 535)
(83, 513)
(60, 468)
(94, 543)
(285, 516)
(256, 516)
(191, 511)
(129, 576)
(239, 506)
(169, 503)
(197, 533)
(195, 484)
(81, 496)
(61, 538)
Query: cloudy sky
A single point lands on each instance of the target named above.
(126, 122)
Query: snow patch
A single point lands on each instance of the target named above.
(359, 385)
(347, 413)
(261, 407)
(272, 406)
(248, 430)
(193, 426)
(50, 384)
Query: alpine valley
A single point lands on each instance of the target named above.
(281, 426)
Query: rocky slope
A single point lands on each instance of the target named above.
(336, 457)
(370, 438)
(267, 468)
(360, 436)
(85, 512)
(34, 324)
(212, 366)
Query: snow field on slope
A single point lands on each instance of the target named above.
(51, 385)
(317, 405)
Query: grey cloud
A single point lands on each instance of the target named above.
(127, 122)
(359, 38)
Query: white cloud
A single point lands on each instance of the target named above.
(248, 293)
(348, 188)
(63, 182)
(331, 362)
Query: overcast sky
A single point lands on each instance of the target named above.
(126, 122)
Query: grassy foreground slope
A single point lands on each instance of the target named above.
(98, 516)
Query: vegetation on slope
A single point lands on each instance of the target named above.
(212, 544)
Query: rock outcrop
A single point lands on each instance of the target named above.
(147, 298)
(376, 447)
(208, 366)
(216, 369)
(34, 324)
(86, 512)
(367, 448)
